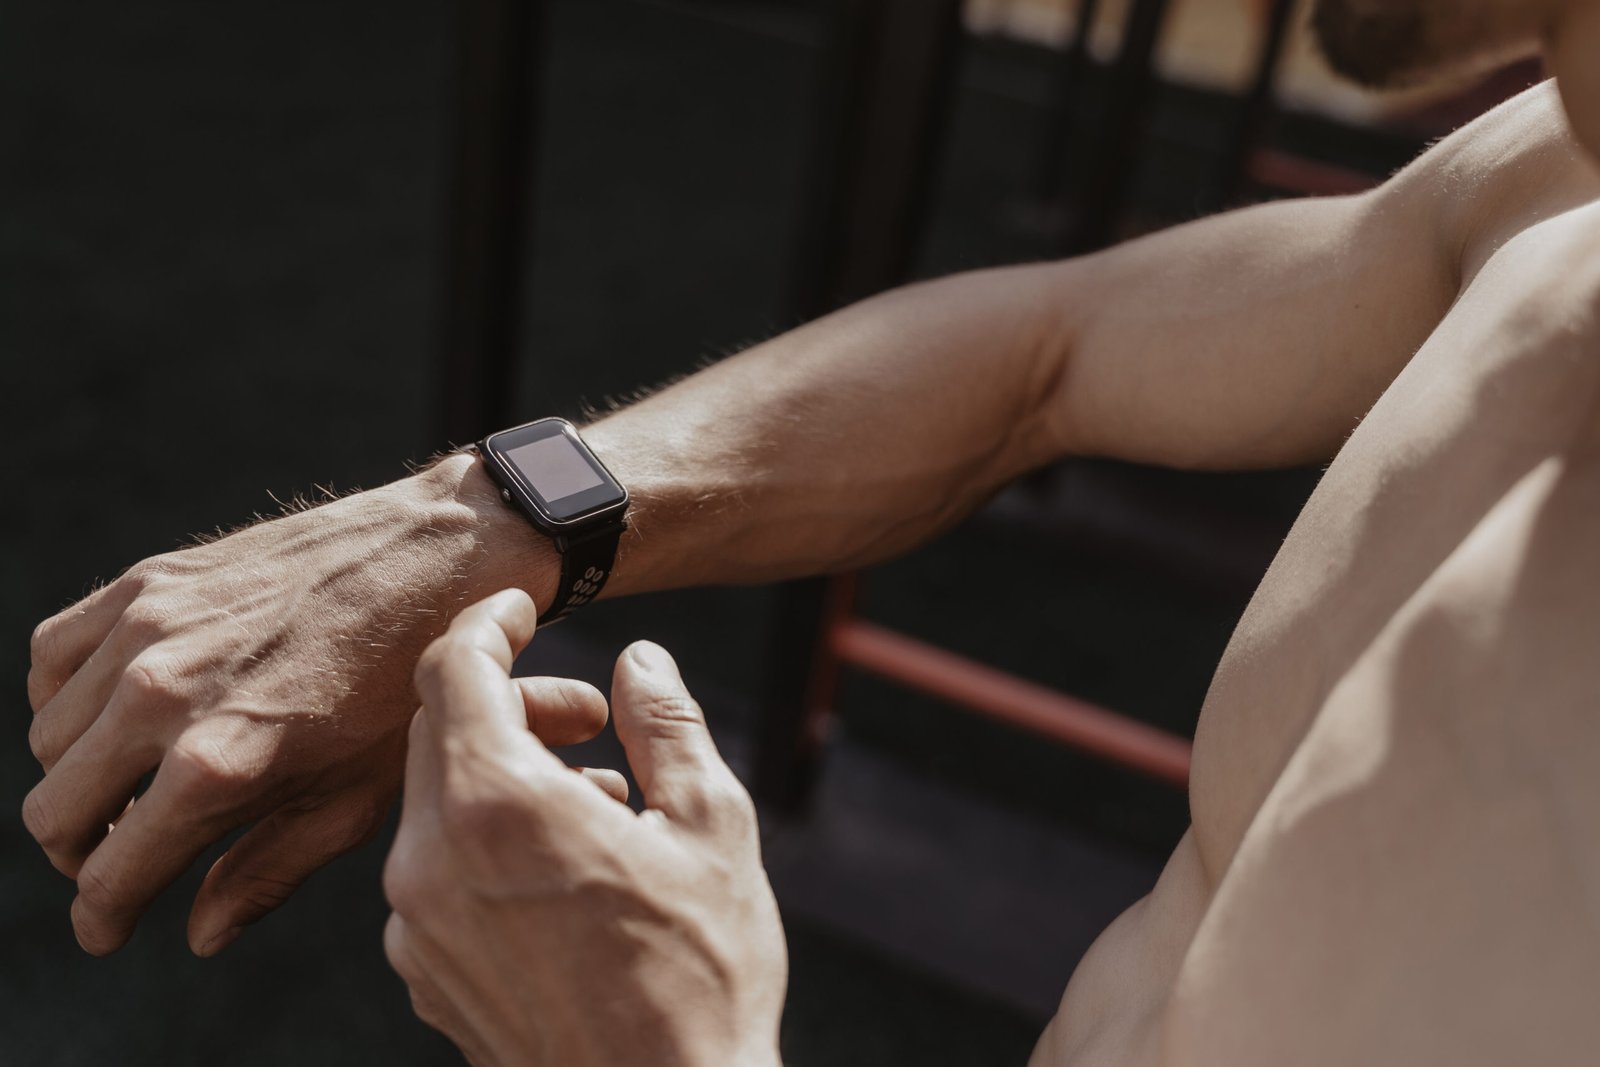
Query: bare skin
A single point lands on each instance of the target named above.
(1403, 666)
(1376, 843)
(539, 921)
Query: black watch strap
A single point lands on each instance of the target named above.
(586, 563)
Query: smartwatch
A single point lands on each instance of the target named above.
(546, 471)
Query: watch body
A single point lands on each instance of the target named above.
(545, 470)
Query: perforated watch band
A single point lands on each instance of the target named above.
(586, 563)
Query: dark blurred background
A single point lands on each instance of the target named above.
(225, 254)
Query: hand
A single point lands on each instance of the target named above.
(267, 676)
(539, 921)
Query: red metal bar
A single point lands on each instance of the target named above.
(918, 665)
(822, 687)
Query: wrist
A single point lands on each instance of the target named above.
(646, 456)
(457, 495)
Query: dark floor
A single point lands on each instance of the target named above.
(219, 252)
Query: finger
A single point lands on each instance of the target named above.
(62, 643)
(265, 866)
(562, 711)
(669, 748)
(420, 966)
(398, 948)
(501, 625)
(176, 819)
(68, 813)
(465, 685)
(611, 783)
(60, 721)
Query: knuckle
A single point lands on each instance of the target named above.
(99, 894)
(399, 950)
(40, 819)
(97, 931)
(203, 766)
(146, 621)
(44, 641)
(405, 890)
(40, 741)
(146, 573)
(42, 685)
(154, 679)
(395, 949)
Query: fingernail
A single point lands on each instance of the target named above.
(220, 941)
(653, 659)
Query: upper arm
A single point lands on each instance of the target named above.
(1261, 337)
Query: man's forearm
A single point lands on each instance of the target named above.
(1250, 339)
(838, 444)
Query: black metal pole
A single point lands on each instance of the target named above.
(489, 208)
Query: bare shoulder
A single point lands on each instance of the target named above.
(1511, 169)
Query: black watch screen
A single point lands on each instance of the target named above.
(557, 480)
(546, 471)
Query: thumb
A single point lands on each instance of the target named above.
(679, 770)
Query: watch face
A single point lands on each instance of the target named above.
(548, 465)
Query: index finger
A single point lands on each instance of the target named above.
(63, 642)
(464, 677)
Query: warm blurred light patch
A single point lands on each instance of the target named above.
(1208, 44)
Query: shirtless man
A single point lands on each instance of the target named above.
(1395, 855)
